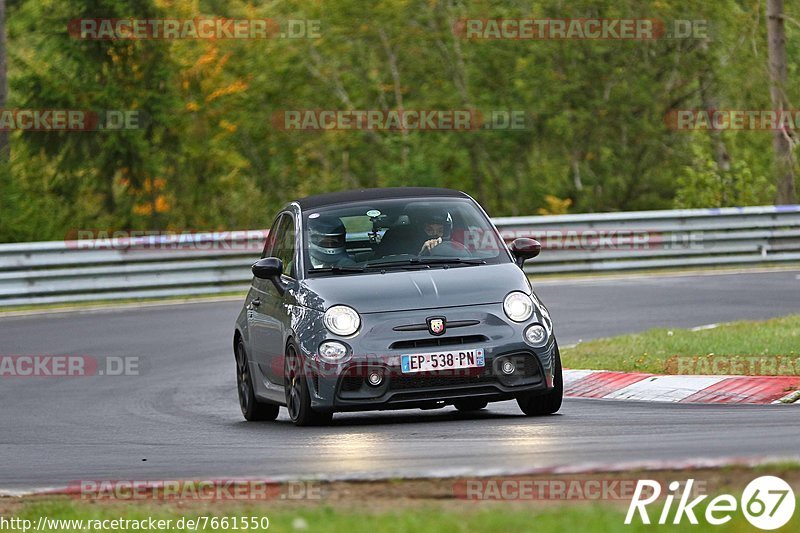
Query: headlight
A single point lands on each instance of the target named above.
(518, 306)
(342, 320)
(332, 351)
(536, 335)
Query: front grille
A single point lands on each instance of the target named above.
(531, 366)
(425, 380)
(450, 325)
(439, 341)
(351, 383)
(455, 393)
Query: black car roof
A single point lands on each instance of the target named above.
(358, 195)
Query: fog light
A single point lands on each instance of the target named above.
(508, 367)
(536, 336)
(375, 378)
(332, 351)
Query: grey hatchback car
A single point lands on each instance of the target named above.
(392, 299)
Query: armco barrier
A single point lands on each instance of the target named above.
(213, 263)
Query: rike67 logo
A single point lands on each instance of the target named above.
(767, 502)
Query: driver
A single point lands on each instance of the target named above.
(326, 242)
(438, 226)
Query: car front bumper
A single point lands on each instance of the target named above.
(385, 337)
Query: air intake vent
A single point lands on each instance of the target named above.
(450, 325)
(439, 341)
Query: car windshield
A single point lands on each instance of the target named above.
(399, 233)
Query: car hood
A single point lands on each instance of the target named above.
(398, 290)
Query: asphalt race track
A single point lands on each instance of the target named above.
(180, 417)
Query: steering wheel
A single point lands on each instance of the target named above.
(447, 248)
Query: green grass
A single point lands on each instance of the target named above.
(770, 347)
(404, 517)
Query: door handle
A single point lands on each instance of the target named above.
(256, 302)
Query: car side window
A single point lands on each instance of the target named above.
(284, 245)
(269, 245)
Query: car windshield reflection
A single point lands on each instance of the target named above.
(399, 234)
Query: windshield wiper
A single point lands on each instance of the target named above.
(414, 262)
(403, 263)
(425, 262)
(337, 269)
(451, 260)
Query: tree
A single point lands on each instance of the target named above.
(4, 149)
(782, 141)
(208, 156)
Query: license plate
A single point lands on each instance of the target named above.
(425, 362)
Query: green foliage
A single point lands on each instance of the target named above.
(209, 157)
(705, 184)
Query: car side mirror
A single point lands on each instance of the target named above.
(523, 249)
(270, 268)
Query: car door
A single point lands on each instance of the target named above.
(278, 305)
(264, 324)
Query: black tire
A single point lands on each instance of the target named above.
(252, 409)
(470, 405)
(298, 399)
(533, 404)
